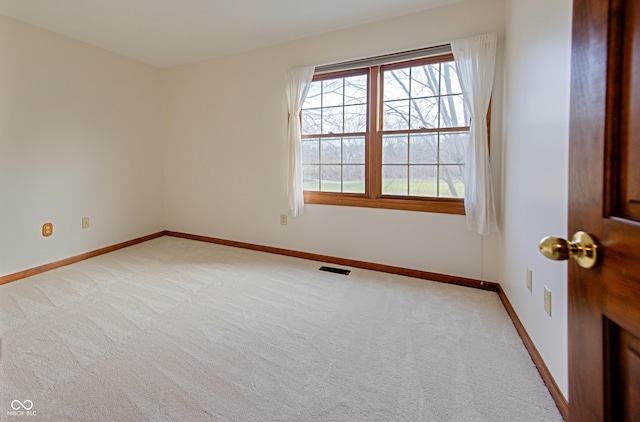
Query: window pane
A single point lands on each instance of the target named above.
(355, 118)
(310, 151)
(453, 147)
(423, 149)
(451, 184)
(332, 120)
(331, 152)
(310, 178)
(396, 84)
(424, 113)
(323, 110)
(353, 150)
(332, 92)
(394, 180)
(311, 121)
(396, 115)
(331, 178)
(453, 113)
(423, 181)
(425, 81)
(314, 96)
(395, 149)
(449, 82)
(355, 90)
(353, 179)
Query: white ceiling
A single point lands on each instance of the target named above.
(166, 33)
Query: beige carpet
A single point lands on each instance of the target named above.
(180, 330)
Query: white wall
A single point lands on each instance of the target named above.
(535, 153)
(226, 156)
(79, 136)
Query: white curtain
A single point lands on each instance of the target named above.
(475, 60)
(298, 82)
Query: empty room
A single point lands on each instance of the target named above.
(357, 210)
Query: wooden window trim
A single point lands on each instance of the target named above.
(373, 197)
(412, 203)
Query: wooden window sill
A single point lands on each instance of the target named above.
(438, 205)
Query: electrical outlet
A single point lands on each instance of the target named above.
(547, 300)
(529, 279)
(47, 229)
(85, 223)
(283, 219)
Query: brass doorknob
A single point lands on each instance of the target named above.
(582, 247)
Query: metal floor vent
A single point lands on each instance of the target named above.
(335, 270)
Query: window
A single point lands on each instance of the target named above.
(334, 127)
(386, 136)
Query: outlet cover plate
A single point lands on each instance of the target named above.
(47, 229)
(547, 300)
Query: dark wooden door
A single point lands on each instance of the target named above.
(604, 200)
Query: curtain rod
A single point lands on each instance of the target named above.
(385, 59)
